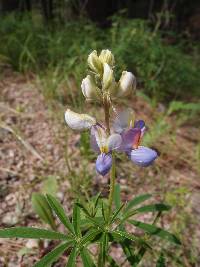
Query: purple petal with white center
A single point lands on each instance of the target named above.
(129, 138)
(143, 156)
(103, 163)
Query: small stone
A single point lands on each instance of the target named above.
(10, 219)
(31, 243)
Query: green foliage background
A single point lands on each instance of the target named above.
(165, 71)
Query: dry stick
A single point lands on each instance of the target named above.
(25, 143)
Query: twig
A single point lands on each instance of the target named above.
(25, 143)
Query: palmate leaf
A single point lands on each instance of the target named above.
(153, 208)
(137, 200)
(161, 261)
(98, 222)
(91, 235)
(42, 208)
(117, 213)
(131, 237)
(103, 250)
(76, 218)
(59, 211)
(31, 233)
(132, 258)
(158, 207)
(86, 258)
(96, 200)
(72, 258)
(84, 209)
(154, 230)
(53, 255)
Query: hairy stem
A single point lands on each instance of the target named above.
(112, 184)
(106, 104)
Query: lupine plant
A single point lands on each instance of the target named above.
(103, 222)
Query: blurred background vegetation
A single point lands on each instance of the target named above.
(46, 43)
(156, 40)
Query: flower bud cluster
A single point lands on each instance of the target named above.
(101, 79)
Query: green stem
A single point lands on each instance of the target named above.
(106, 104)
(112, 184)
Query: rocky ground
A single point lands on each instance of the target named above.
(35, 145)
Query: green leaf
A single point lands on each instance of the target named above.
(153, 208)
(105, 211)
(76, 218)
(117, 199)
(133, 238)
(103, 250)
(86, 258)
(29, 232)
(89, 236)
(137, 200)
(83, 208)
(116, 213)
(98, 222)
(53, 255)
(154, 230)
(42, 208)
(96, 200)
(50, 186)
(138, 257)
(72, 258)
(59, 211)
(161, 261)
(128, 251)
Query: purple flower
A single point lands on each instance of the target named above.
(103, 144)
(103, 163)
(143, 156)
(132, 132)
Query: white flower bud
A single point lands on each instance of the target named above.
(106, 56)
(127, 83)
(89, 89)
(94, 62)
(78, 121)
(107, 76)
